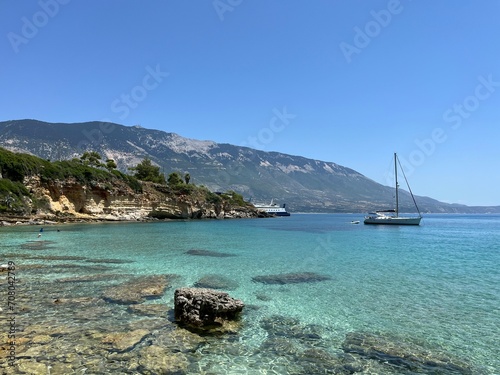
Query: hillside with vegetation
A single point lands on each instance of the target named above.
(305, 185)
(90, 188)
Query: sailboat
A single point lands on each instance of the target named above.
(391, 217)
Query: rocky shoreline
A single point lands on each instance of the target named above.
(44, 220)
(35, 191)
(71, 202)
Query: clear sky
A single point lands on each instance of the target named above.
(349, 82)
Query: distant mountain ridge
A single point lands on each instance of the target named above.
(305, 185)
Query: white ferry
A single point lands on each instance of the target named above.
(273, 208)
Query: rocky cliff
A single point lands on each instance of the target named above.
(31, 187)
(70, 200)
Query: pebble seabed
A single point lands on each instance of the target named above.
(75, 315)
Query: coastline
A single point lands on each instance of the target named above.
(38, 220)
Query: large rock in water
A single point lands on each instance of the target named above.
(200, 307)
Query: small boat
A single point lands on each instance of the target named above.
(273, 209)
(391, 217)
(355, 222)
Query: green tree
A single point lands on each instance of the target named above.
(92, 159)
(110, 164)
(187, 178)
(146, 171)
(175, 179)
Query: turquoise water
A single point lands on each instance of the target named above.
(437, 285)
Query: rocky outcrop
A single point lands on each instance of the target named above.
(113, 201)
(205, 308)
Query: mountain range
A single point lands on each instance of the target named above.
(305, 185)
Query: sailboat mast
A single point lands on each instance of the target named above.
(396, 177)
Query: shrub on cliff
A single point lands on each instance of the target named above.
(146, 171)
(133, 182)
(17, 166)
(179, 186)
(84, 174)
(11, 196)
(212, 197)
(235, 199)
(175, 179)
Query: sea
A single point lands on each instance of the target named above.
(322, 294)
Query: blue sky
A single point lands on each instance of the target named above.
(344, 81)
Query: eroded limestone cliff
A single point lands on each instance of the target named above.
(69, 199)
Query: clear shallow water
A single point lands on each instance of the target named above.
(437, 285)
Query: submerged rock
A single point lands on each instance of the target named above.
(177, 339)
(29, 267)
(31, 367)
(281, 326)
(57, 257)
(216, 282)
(396, 353)
(153, 310)
(124, 341)
(88, 278)
(157, 360)
(137, 290)
(82, 301)
(263, 297)
(209, 253)
(198, 307)
(109, 261)
(37, 245)
(303, 346)
(291, 278)
(57, 269)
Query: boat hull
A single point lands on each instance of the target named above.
(393, 220)
(273, 209)
(279, 213)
